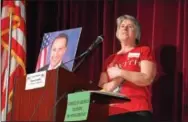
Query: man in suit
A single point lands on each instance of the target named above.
(58, 49)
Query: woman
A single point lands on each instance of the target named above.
(130, 71)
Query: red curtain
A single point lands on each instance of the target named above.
(164, 28)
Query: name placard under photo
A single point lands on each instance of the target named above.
(35, 80)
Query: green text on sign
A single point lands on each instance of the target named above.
(77, 106)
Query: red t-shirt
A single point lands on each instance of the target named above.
(140, 96)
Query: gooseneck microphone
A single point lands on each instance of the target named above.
(89, 50)
(94, 44)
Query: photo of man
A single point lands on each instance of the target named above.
(58, 49)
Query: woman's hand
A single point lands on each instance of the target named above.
(113, 84)
(114, 72)
(110, 86)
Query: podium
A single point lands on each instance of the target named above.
(49, 102)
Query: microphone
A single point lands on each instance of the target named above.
(84, 54)
(94, 44)
(87, 52)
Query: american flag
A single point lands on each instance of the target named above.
(45, 48)
(18, 48)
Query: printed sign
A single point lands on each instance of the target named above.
(77, 106)
(35, 80)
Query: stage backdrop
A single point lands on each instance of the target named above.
(164, 28)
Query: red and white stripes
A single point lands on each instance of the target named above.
(18, 49)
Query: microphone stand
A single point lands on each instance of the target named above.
(80, 56)
(84, 54)
(79, 63)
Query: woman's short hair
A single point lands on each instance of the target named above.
(135, 21)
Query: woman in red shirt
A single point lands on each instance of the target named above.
(130, 71)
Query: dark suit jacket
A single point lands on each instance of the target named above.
(46, 67)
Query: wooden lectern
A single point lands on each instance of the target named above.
(49, 103)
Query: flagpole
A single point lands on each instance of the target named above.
(9, 64)
(1, 58)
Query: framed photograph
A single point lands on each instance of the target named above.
(58, 48)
